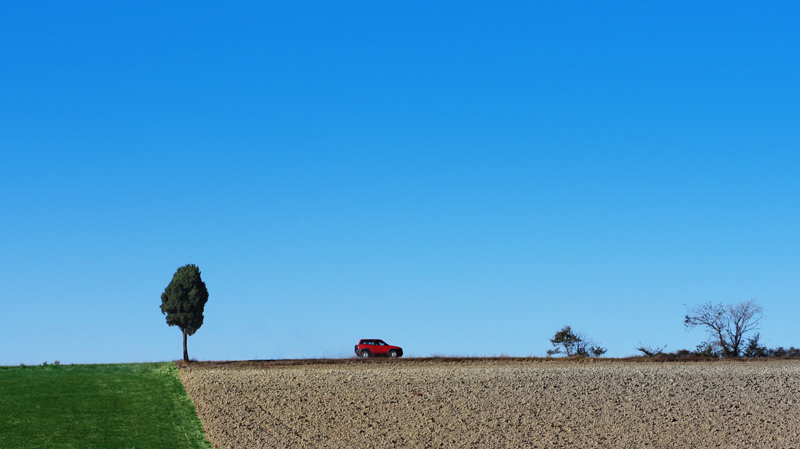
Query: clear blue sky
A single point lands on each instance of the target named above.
(458, 178)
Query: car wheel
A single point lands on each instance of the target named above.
(393, 353)
(364, 354)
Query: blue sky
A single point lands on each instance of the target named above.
(458, 178)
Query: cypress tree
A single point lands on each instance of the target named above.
(183, 302)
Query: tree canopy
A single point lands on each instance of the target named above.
(572, 343)
(184, 300)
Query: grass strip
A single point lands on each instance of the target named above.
(140, 405)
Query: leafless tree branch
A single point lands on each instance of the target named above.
(726, 323)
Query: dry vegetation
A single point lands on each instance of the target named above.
(488, 403)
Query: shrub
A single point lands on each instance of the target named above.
(754, 349)
(650, 352)
(707, 349)
(780, 351)
(565, 341)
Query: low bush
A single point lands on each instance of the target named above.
(567, 342)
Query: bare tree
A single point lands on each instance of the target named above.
(726, 324)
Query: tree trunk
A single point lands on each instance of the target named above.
(185, 352)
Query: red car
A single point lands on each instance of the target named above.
(373, 348)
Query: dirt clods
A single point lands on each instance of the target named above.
(513, 404)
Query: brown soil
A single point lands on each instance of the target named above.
(488, 403)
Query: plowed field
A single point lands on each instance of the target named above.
(498, 403)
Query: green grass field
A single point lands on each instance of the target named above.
(97, 406)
